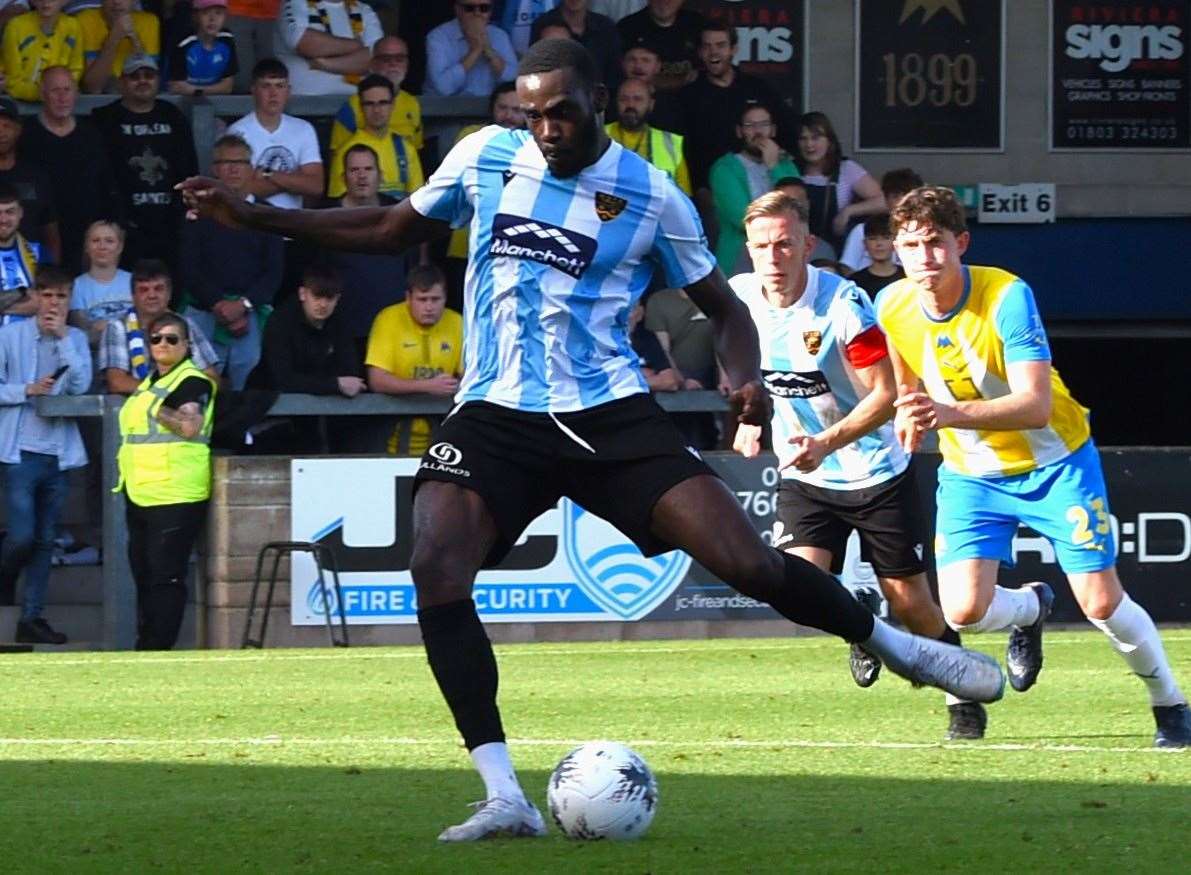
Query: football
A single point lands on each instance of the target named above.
(602, 790)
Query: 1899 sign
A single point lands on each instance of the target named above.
(929, 81)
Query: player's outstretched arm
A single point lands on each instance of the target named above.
(736, 345)
(360, 229)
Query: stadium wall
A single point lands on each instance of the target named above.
(252, 505)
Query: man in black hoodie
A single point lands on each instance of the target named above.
(307, 347)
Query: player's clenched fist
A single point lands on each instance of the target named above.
(211, 199)
(752, 402)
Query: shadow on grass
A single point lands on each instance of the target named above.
(80, 816)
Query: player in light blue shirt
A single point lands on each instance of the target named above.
(566, 231)
(826, 364)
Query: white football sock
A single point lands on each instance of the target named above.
(1135, 637)
(496, 769)
(1009, 607)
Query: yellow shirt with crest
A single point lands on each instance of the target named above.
(965, 356)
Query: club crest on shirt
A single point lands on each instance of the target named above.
(813, 341)
(609, 206)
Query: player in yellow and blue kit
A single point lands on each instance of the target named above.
(973, 362)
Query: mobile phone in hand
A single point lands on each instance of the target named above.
(58, 373)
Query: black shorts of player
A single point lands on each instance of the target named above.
(615, 460)
(887, 518)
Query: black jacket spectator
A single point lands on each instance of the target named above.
(600, 37)
(218, 261)
(82, 183)
(677, 45)
(712, 112)
(150, 152)
(297, 357)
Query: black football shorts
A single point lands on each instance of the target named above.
(887, 517)
(615, 460)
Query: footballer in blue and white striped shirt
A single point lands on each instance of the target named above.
(567, 229)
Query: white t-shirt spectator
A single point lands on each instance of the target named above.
(293, 144)
(298, 16)
(849, 174)
(617, 9)
(854, 255)
(105, 301)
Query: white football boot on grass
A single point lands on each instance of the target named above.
(498, 817)
(966, 674)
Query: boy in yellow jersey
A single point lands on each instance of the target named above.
(416, 347)
(973, 362)
(110, 34)
(38, 40)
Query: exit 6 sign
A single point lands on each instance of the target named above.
(1027, 204)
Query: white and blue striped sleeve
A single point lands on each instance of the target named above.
(679, 245)
(445, 194)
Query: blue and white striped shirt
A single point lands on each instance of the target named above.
(805, 364)
(555, 266)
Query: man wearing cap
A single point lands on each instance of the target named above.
(151, 149)
(111, 34)
(39, 223)
(326, 44)
(642, 61)
(673, 32)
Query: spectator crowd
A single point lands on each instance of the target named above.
(94, 245)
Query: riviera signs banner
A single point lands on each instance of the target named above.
(771, 41)
(1120, 75)
(572, 566)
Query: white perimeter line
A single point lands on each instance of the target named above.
(279, 741)
(23, 663)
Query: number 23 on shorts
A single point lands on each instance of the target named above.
(1089, 524)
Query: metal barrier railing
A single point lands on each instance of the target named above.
(119, 600)
(442, 117)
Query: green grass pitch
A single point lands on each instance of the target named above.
(768, 758)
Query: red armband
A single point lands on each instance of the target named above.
(867, 348)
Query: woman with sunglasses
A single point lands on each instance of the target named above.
(165, 472)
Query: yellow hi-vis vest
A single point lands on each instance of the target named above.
(157, 466)
(662, 149)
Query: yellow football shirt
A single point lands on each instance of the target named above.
(399, 345)
(405, 120)
(28, 52)
(400, 168)
(95, 31)
(964, 357)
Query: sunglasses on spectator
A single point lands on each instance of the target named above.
(171, 339)
(391, 59)
(480, 8)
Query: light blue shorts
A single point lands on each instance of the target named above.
(1066, 502)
